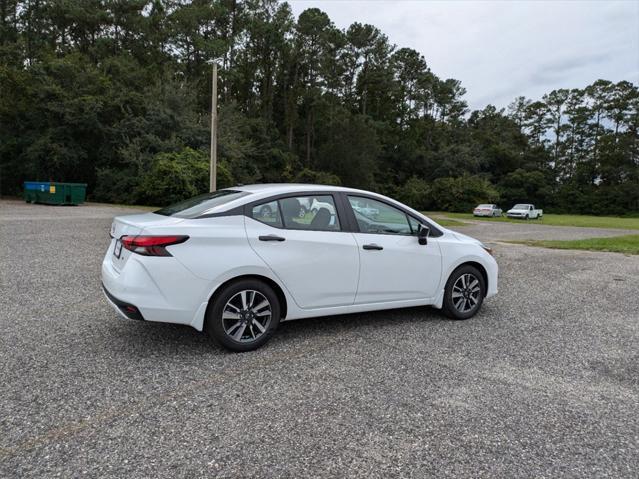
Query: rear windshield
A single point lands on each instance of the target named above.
(194, 207)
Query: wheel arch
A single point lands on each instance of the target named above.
(478, 266)
(258, 277)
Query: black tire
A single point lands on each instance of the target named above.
(526, 217)
(215, 324)
(449, 307)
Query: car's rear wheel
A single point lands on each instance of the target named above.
(464, 293)
(244, 315)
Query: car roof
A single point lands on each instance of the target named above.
(258, 192)
(282, 188)
(261, 191)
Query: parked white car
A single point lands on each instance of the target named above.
(223, 263)
(524, 211)
(317, 204)
(365, 209)
(487, 210)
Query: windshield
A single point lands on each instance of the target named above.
(520, 207)
(194, 207)
(485, 206)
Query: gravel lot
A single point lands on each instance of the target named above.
(543, 383)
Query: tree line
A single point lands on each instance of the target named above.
(116, 93)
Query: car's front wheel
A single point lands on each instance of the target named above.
(244, 315)
(464, 293)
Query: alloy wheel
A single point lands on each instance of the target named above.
(466, 291)
(246, 316)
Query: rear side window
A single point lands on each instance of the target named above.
(196, 206)
(316, 213)
(268, 213)
(313, 213)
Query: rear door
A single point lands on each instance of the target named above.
(308, 250)
(393, 265)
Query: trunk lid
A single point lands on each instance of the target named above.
(132, 225)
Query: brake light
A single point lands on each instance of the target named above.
(151, 245)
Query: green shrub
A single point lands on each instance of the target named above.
(462, 193)
(116, 185)
(317, 178)
(173, 177)
(415, 193)
(521, 186)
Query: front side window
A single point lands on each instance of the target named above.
(377, 217)
(414, 225)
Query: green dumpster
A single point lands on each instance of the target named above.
(54, 193)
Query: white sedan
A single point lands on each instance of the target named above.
(238, 261)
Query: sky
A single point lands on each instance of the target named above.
(503, 49)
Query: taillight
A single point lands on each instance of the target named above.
(151, 245)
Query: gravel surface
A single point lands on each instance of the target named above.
(543, 383)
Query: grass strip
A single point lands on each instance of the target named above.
(584, 221)
(628, 244)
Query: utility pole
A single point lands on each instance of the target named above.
(213, 166)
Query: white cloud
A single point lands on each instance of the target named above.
(501, 49)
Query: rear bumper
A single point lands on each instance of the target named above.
(126, 310)
(155, 289)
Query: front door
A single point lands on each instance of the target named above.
(393, 265)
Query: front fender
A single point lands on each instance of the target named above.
(481, 257)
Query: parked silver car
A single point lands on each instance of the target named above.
(487, 210)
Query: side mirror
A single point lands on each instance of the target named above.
(422, 234)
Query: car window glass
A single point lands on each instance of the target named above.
(267, 213)
(376, 217)
(317, 213)
(414, 225)
(194, 207)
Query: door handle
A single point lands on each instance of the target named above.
(373, 246)
(271, 238)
